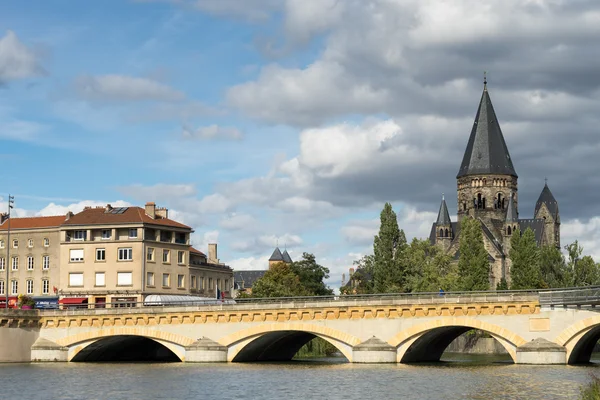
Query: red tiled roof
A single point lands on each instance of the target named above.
(33, 222)
(194, 251)
(132, 215)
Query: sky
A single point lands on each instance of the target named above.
(291, 122)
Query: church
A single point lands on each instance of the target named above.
(487, 190)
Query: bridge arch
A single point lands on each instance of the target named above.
(579, 339)
(77, 343)
(268, 339)
(427, 341)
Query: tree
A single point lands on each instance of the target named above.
(279, 281)
(473, 263)
(388, 247)
(312, 275)
(553, 268)
(582, 270)
(430, 268)
(502, 285)
(362, 280)
(525, 257)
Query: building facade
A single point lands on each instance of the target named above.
(116, 255)
(487, 190)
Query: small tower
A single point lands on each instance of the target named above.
(546, 208)
(286, 257)
(486, 175)
(276, 257)
(443, 227)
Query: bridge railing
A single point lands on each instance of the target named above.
(586, 296)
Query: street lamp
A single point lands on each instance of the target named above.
(11, 202)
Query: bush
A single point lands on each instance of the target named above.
(592, 390)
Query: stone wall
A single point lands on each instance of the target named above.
(475, 344)
(17, 335)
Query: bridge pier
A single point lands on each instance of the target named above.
(205, 350)
(541, 351)
(45, 350)
(374, 350)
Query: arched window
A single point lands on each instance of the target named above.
(479, 203)
(484, 181)
(464, 206)
(508, 231)
(483, 203)
(503, 204)
(446, 233)
(441, 233)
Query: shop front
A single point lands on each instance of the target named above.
(46, 302)
(69, 303)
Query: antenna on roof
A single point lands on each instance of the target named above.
(546, 180)
(442, 196)
(484, 78)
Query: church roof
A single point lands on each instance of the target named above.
(486, 151)
(548, 199)
(512, 215)
(443, 215)
(276, 256)
(286, 257)
(245, 279)
(536, 225)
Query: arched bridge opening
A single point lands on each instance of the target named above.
(583, 349)
(432, 344)
(276, 346)
(125, 348)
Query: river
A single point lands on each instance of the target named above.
(459, 377)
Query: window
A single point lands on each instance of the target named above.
(124, 279)
(46, 242)
(76, 255)
(100, 279)
(1, 287)
(30, 263)
(166, 256)
(150, 254)
(201, 282)
(180, 257)
(193, 282)
(166, 280)
(79, 235)
(2, 263)
(226, 285)
(133, 233)
(150, 279)
(15, 244)
(14, 286)
(125, 254)
(30, 243)
(76, 279)
(180, 281)
(106, 233)
(15, 263)
(29, 286)
(45, 286)
(46, 262)
(100, 255)
(1, 244)
(210, 283)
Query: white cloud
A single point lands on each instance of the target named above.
(250, 263)
(586, 233)
(212, 132)
(236, 222)
(17, 61)
(126, 88)
(360, 232)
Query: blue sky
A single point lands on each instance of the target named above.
(265, 121)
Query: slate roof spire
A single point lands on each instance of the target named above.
(443, 215)
(547, 198)
(286, 256)
(276, 256)
(512, 215)
(486, 151)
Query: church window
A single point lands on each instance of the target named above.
(508, 231)
(441, 233)
(503, 204)
(464, 206)
(446, 233)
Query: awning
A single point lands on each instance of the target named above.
(73, 300)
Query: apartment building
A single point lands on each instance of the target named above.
(33, 267)
(119, 255)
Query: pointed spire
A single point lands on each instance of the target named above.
(276, 256)
(443, 215)
(511, 214)
(486, 151)
(286, 257)
(547, 198)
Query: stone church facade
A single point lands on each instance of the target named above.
(487, 190)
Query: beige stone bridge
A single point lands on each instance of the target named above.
(390, 329)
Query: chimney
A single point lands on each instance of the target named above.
(3, 217)
(108, 208)
(151, 209)
(212, 253)
(69, 215)
(162, 212)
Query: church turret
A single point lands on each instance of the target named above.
(443, 226)
(276, 257)
(546, 208)
(286, 257)
(511, 223)
(486, 176)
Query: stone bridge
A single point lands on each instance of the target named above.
(392, 329)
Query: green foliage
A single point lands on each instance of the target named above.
(592, 390)
(361, 282)
(473, 263)
(553, 268)
(388, 247)
(312, 275)
(429, 268)
(583, 270)
(525, 257)
(279, 281)
(502, 285)
(316, 348)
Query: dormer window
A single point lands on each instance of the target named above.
(106, 233)
(79, 235)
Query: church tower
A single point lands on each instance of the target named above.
(443, 227)
(546, 209)
(486, 177)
